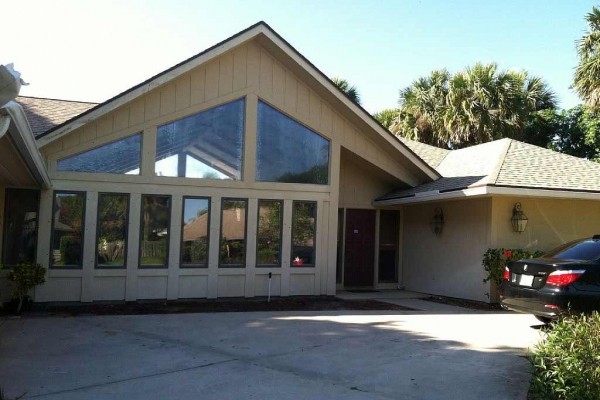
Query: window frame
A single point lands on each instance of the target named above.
(4, 226)
(243, 143)
(125, 251)
(245, 200)
(140, 134)
(168, 244)
(281, 202)
(83, 213)
(279, 110)
(314, 264)
(208, 222)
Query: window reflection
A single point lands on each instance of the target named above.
(67, 229)
(206, 145)
(111, 240)
(233, 233)
(268, 238)
(286, 151)
(194, 244)
(20, 226)
(304, 218)
(154, 234)
(120, 157)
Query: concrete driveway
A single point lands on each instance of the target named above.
(269, 355)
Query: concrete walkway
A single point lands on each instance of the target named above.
(406, 299)
(269, 355)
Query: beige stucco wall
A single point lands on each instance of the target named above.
(361, 182)
(450, 264)
(551, 222)
(248, 71)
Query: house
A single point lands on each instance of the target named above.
(245, 162)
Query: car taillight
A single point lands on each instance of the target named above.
(563, 278)
(506, 275)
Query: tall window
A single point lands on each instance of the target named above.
(119, 157)
(111, 237)
(304, 229)
(268, 236)
(389, 228)
(154, 231)
(287, 151)
(194, 237)
(206, 145)
(67, 230)
(232, 252)
(20, 226)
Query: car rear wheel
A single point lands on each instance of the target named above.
(544, 320)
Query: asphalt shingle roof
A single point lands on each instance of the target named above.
(430, 154)
(504, 162)
(45, 114)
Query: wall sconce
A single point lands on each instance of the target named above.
(519, 219)
(437, 222)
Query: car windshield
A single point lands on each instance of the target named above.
(588, 249)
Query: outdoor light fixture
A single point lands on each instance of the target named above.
(519, 219)
(437, 222)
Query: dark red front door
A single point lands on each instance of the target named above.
(359, 252)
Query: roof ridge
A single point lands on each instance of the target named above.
(65, 100)
(493, 176)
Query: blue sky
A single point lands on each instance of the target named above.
(85, 50)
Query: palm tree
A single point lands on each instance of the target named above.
(349, 90)
(587, 73)
(387, 117)
(473, 106)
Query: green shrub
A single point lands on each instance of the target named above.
(494, 261)
(70, 250)
(567, 362)
(24, 277)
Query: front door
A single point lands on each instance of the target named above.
(359, 253)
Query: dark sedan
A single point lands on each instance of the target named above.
(567, 279)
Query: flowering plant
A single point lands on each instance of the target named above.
(495, 260)
(297, 262)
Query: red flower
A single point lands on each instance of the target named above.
(507, 254)
(298, 261)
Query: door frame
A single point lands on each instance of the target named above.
(342, 262)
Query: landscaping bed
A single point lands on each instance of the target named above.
(474, 305)
(294, 303)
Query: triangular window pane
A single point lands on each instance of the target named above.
(119, 157)
(287, 151)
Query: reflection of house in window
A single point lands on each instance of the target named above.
(205, 145)
(233, 232)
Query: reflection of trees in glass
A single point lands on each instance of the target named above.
(112, 229)
(68, 225)
(232, 249)
(287, 151)
(155, 229)
(268, 240)
(303, 233)
(195, 232)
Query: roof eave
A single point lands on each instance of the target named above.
(24, 140)
(491, 190)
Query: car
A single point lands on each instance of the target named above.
(565, 280)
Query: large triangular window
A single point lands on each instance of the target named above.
(206, 145)
(287, 151)
(119, 157)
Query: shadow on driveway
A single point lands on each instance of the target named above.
(282, 355)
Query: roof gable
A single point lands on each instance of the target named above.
(280, 48)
